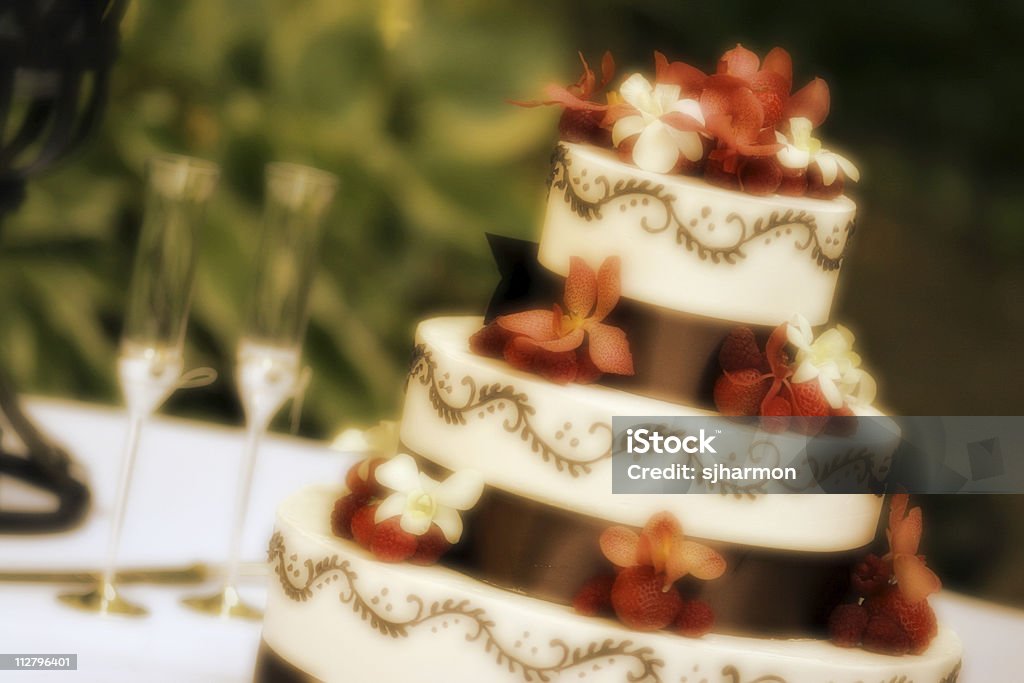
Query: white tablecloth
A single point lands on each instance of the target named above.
(180, 512)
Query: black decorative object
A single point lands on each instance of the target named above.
(55, 60)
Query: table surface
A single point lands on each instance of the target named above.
(179, 513)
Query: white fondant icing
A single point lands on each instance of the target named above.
(569, 425)
(481, 633)
(689, 246)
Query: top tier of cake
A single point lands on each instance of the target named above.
(688, 246)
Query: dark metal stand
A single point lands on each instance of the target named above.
(55, 60)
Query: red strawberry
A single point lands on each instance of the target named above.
(916, 619)
(884, 635)
(361, 480)
(846, 625)
(776, 415)
(391, 543)
(759, 175)
(431, 546)
(817, 188)
(555, 366)
(695, 618)
(870, 575)
(586, 371)
(809, 399)
(582, 125)
(640, 602)
(811, 405)
(794, 182)
(595, 597)
(363, 525)
(740, 352)
(341, 516)
(490, 341)
(715, 173)
(740, 393)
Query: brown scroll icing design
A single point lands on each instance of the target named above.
(646, 193)
(332, 570)
(954, 675)
(496, 399)
(301, 579)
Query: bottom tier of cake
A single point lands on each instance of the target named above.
(336, 614)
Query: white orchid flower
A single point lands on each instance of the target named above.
(422, 501)
(380, 439)
(659, 144)
(801, 149)
(832, 361)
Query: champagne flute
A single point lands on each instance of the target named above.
(151, 358)
(269, 362)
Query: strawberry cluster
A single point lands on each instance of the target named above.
(642, 593)
(760, 382)
(735, 126)
(354, 518)
(891, 614)
(565, 344)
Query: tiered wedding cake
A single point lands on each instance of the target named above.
(692, 240)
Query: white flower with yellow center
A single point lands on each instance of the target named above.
(659, 145)
(832, 361)
(422, 501)
(801, 149)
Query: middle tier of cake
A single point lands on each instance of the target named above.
(551, 445)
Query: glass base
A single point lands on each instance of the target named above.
(226, 604)
(104, 599)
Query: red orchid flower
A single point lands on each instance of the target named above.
(690, 79)
(760, 383)
(582, 112)
(662, 546)
(771, 81)
(743, 157)
(913, 577)
(581, 94)
(570, 344)
(743, 103)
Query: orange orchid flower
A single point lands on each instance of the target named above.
(662, 545)
(913, 577)
(571, 343)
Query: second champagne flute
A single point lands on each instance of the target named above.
(270, 350)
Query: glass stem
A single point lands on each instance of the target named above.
(131, 447)
(254, 432)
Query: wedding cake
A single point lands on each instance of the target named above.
(694, 231)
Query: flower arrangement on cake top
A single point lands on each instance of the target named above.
(642, 594)
(891, 614)
(570, 344)
(797, 381)
(741, 127)
(400, 514)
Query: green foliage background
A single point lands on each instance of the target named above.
(405, 100)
